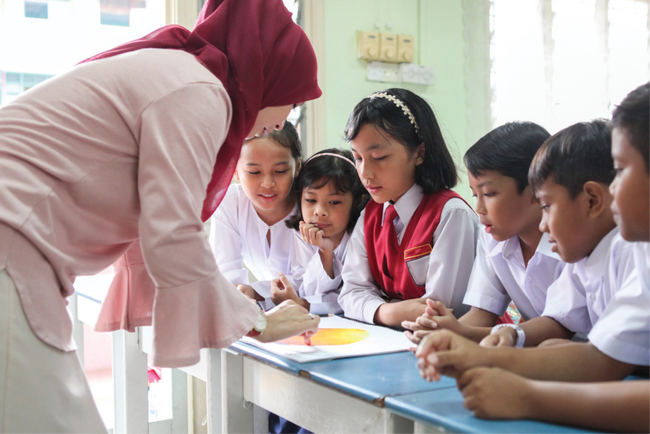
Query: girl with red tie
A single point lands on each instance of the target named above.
(416, 239)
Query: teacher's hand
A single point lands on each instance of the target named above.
(286, 320)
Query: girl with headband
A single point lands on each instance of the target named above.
(136, 148)
(416, 239)
(331, 198)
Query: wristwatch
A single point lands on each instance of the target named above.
(259, 326)
(521, 335)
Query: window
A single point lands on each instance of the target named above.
(74, 32)
(36, 9)
(558, 62)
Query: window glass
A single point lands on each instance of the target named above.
(66, 33)
(558, 62)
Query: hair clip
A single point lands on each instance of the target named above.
(399, 104)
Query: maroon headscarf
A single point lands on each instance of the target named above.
(260, 55)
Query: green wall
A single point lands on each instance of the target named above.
(439, 31)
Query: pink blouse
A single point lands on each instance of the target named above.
(115, 150)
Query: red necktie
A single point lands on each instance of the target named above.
(388, 234)
(388, 239)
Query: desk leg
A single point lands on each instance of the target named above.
(238, 414)
(419, 428)
(213, 391)
(397, 424)
(78, 327)
(130, 384)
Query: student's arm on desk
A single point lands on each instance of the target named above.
(537, 331)
(475, 324)
(446, 353)
(393, 314)
(492, 393)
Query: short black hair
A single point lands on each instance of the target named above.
(287, 137)
(438, 169)
(632, 115)
(574, 156)
(508, 149)
(317, 172)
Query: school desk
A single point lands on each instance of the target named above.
(382, 393)
(443, 409)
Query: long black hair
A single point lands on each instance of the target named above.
(438, 169)
(318, 171)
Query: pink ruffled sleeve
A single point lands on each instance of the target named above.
(129, 301)
(194, 306)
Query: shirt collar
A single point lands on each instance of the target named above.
(595, 265)
(407, 204)
(511, 246)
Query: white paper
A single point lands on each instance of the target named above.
(368, 340)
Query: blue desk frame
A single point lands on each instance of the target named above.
(382, 393)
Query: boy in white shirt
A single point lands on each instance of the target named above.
(613, 406)
(570, 176)
(513, 259)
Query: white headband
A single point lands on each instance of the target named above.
(399, 104)
(330, 154)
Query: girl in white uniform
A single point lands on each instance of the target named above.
(331, 198)
(425, 248)
(248, 228)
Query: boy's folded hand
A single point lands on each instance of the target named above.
(446, 353)
(504, 337)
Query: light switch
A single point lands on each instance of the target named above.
(405, 48)
(367, 45)
(388, 47)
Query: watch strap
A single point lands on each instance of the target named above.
(521, 335)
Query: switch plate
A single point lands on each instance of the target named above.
(388, 47)
(405, 48)
(367, 45)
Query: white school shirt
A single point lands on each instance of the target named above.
(623, 331)
(445, 270)
(500, 275)
(311, 281)
(238, 236)
(580, 295)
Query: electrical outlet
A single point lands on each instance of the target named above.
(416, 74)
(383, 72)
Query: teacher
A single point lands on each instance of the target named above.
(136, 145)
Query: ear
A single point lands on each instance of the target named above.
(533, 199)
(598, 196)
(419, 154)
(298, 167)
(237, 175)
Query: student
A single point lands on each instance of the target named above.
(331, 198)
(615, 406)
(416, 239)
(513, 259)
(571, 177)
(249, 226)
(138, 143)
